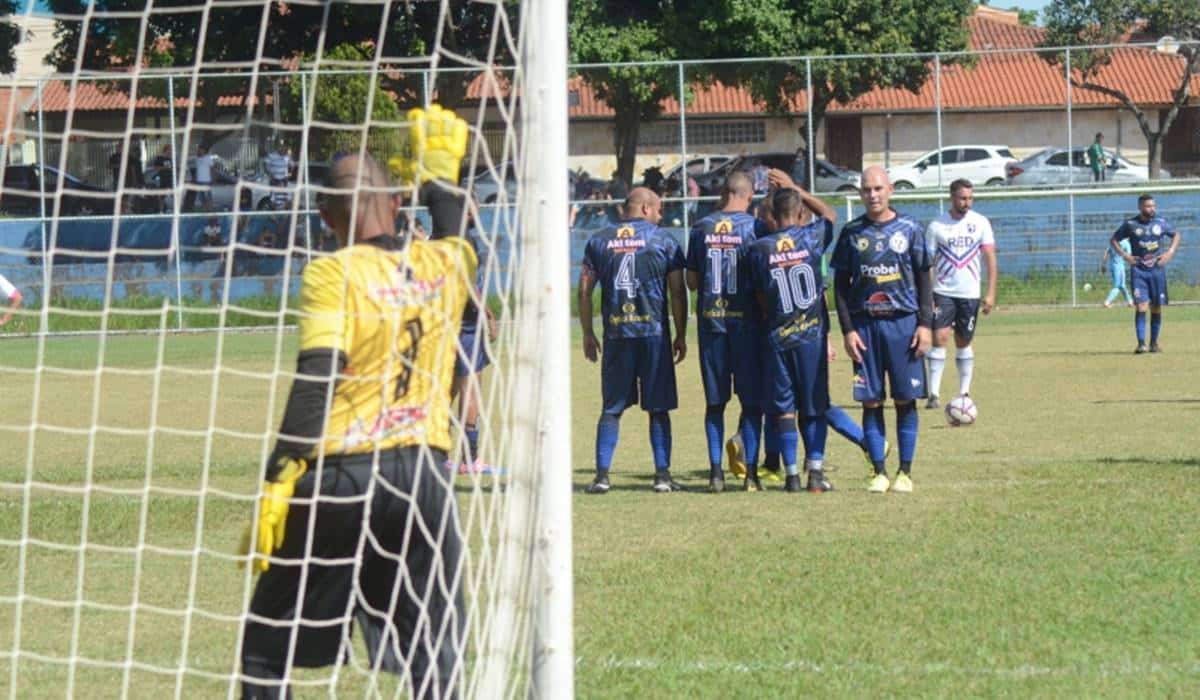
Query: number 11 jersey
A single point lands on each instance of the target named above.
(717, 248)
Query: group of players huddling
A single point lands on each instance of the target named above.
(900, 292)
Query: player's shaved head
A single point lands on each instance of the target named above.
(361, 187)
(876, 192)
(786, 207)
(738, 183)
(639, 197)
(643, 203)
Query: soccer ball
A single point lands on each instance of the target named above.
(961, 411)
(1087, 286)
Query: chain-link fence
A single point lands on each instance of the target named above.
(1056, 157)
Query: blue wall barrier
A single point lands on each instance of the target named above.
(1033, 237)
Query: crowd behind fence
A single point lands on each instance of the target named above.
(1009, 120)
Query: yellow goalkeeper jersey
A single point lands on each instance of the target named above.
(395, 314)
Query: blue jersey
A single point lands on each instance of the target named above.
(631, 261)
(883, 260)
(786, 271)
(716, 246)
(1147, 239)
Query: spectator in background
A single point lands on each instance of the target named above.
(279, 165)
(203, 170)
(164, 158)
(1095, 156)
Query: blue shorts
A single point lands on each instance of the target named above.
(472, 355)
(638, 368)
(797, 380)
(888, 351)
(1150, 286)
(726, 356)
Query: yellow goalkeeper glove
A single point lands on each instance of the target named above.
(265, 535)
(434, 148)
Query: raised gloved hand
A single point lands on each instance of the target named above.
(434, 148)
(265, 535)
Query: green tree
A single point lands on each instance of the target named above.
(9, 36)
(229, 44)
(616, 31)
(341, 98)
(1080, 22)
(826, 28)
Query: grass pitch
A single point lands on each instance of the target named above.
(1047, 551)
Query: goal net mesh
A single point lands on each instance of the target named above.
(149, 234)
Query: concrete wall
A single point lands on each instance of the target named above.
(591, 145)
(37, 44)
(908, 135)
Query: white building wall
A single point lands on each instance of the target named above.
(900, 138)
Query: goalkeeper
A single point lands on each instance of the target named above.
(372, 532)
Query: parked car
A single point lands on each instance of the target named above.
(830, 177)
(226, 190)
(1052, 166)
(27, 187)
(982, 165)
(698, 165)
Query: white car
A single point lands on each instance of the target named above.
(982, 165)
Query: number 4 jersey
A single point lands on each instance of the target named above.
(717, 247)
(631, 261)
(786, 269)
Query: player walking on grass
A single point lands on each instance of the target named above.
(956, 241)
(373, 536)
(786, 271)
(13, 295)
(1115, 266)
(728, 323)
(635, 263)
(1148, 235)
(885, 308)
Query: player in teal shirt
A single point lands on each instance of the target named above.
(1116, 270)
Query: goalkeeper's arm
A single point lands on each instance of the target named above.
(437, 142)
(304, 417)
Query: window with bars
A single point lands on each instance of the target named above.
(704, 133)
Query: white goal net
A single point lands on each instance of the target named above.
(159, 208)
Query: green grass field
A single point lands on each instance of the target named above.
(1048, 551)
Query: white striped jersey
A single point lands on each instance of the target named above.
(954, 246)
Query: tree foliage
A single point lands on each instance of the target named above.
(615, 31)
(826, 28)
(341, 98)
(1082, 22)
(229, 44)
(9, 36)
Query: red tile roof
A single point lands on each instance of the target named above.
(1003, 81)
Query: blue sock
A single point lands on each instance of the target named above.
(660, 440)
(771, 443)
(789, 440)
(714, 431)
(874, 431)
(606, 440)
(472, 434)
(907, 423)
(815, 429)
(1139, 325)
(750, 426)
(1155, 326)
(844, 425)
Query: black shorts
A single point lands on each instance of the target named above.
(406, 594)
(953, 311)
